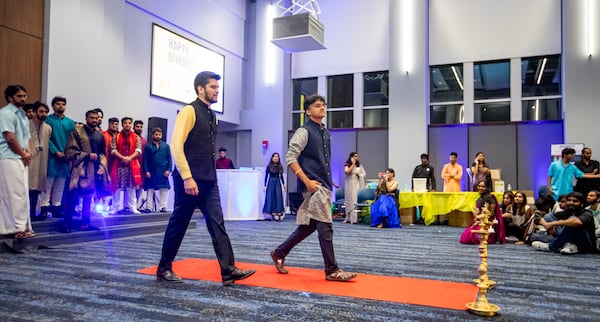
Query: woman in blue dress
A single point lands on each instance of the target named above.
(274, 187)
(384, 211)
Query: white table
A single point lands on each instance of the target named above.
(241, 193)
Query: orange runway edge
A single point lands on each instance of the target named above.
(449, 295)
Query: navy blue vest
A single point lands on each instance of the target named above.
(199, 147)
(316, 156)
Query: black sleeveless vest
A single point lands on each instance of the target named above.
(316, 156)
(199, 147)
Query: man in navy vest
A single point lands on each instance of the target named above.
(308, 156)
(195, 183)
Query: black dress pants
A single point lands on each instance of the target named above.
(209, 202)
(325, 231)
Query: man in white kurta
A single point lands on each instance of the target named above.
(14, 159)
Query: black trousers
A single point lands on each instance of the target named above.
(209, 202)
(33, 200)
(71, 200)
(514, 230)
(325, 231)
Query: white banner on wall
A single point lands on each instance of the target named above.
(556, 150)
(175, 63)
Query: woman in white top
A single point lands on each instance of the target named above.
(354, 180)
(520, 223)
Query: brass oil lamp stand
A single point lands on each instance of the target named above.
(481, 306)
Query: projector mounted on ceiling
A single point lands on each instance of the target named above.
(299, 32)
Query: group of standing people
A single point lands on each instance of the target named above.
(64, 161)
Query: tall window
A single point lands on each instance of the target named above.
(541, 86)
(303, 87)
(491, 82)
(446, 94)
(340, 100)
(375, 99)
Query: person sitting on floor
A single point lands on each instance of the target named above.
(593, 201)
(543, 207)
(384, 211)
(508, 198)
(520, 222)
(498, 234)
(578, 232)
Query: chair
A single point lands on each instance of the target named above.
(363, 204)
(470, 179)
(542, 190)
(338, 205)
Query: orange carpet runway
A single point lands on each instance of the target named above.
(449, 295)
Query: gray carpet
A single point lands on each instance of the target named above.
(98, 281)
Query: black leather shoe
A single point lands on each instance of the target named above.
(237, 275)
(168, 276)
(65, 229)
(89, 228)
(279, 263)
(38, 218)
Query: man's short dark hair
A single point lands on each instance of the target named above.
(28, 107)
(586, 148)
(90, 112)
(112, 120)
(545, 202)
(567, 151)
(424, 156)
(312, 99)
(203, 77)
(38, 104)
(125, 119)
(58, 99)
(136, 122)
(454, 154)
(156, 129)
(99, 111)
(222, 149)
(579, 196)
(12, 90)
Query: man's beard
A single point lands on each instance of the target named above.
(208, 99)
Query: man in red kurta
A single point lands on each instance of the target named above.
(125, 169)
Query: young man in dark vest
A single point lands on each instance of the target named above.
(195, 183)
(308, 156)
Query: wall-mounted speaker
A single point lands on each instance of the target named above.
(157, 122)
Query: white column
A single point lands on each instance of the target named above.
(408, 104)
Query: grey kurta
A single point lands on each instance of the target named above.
(38, 146)
(316, 205)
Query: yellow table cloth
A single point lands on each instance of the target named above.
(440, 203)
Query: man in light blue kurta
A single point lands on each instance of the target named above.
(561, 174)
(14, 159)
(58, 166)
